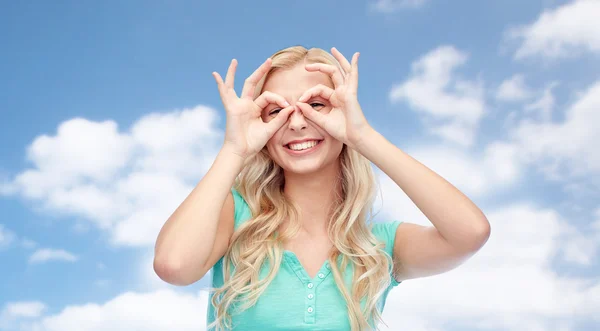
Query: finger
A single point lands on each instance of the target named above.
(252, 80)
(331, 70)
(317, 90)
(220, 85)
(353, 81)
(230, 77)
(218, 79)
(312, 115)
(267, 98)
(276, 123)
(341, 59)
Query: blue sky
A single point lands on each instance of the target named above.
(110, 115)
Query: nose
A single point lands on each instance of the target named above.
(297, 120)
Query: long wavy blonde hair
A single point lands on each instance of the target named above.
(256, 242)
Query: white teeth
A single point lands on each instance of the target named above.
(304, 145)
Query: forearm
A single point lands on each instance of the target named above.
(186, 240)
(455, 216)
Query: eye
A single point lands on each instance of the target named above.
(274, 111)
(317, 105)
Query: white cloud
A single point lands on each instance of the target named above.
(566, 149)
(127, 183)
(13, 313)
(581, 248)
(23, 309)
(452, 107)
(390, 6)
(7, 237)
(80, 151)
(514, 89)
(47, 254)
(495, 169)
(154, 311)
(565, 31)
(510, 284)
(544, 105)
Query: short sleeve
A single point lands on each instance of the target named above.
(242, 211)
(386, 233)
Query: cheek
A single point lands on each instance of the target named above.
(273, 144)
(337, 147)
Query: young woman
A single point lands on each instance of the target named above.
(283, 216)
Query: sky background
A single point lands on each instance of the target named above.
(110, 116)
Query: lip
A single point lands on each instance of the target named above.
(306, 151)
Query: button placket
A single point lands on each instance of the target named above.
(311, 296)
(310, 303)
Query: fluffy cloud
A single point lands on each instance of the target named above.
(565, 31)
(564, 150)
(495, 169)
(15, 313)
(542, 108)
(510, 284)
(49, 254)
(452, 107)
(513, 89)
(153, 311)
(582, 246)
(127, 183)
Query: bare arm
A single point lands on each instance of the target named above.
(197, 234)
(459, 229)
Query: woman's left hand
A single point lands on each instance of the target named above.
(345, 121)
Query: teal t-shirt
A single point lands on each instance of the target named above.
(293, 301)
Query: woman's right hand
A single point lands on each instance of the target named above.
(245, 131)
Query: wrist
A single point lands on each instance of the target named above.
(361, 144)
(231, 155)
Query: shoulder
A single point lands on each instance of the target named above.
(242, 211)
(386, 233)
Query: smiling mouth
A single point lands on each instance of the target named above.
(303, 146)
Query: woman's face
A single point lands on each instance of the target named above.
(300, 146)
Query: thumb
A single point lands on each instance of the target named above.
(312, 114)
(279, 120)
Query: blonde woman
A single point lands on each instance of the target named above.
(283, 216)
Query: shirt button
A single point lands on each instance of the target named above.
(310, 296)
(310, 285)
(321, 276)
(327, 265)
(310, 310)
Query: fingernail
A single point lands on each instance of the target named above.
(286, 104)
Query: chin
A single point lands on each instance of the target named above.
(302, 169)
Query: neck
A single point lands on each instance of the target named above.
(315, 194)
